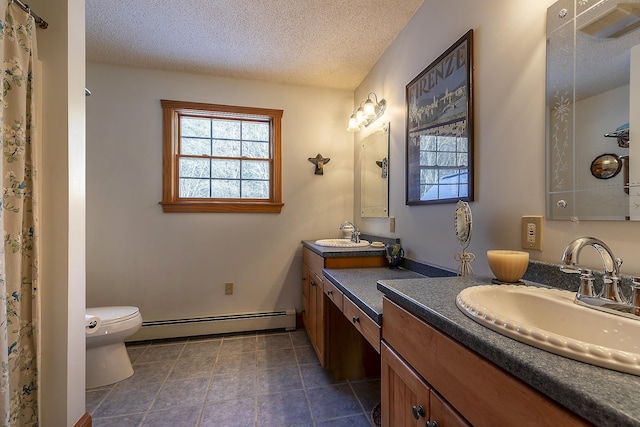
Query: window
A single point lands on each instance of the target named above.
(221, 158)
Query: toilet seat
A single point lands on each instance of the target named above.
(114, 314)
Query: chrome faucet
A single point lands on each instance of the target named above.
(609, 298)
(355, 234)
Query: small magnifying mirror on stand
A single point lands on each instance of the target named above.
(462, 222)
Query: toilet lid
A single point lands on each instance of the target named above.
(113, 314)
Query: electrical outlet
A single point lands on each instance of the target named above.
(392, 224)
(532, 232)
(228, 288)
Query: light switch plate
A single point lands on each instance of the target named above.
(532, 232)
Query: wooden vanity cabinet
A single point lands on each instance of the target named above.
(482, 393)
(317, 312)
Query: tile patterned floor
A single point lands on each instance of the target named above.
(253, 380)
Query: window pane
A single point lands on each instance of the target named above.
(226, 148)
(447, 143)
(195, 146)
(462, 159)
(428, 176)
(255, 170)
(225, 169)
(194, 188)
(225, 188)
(255, 150)
(255, 131)
(255, 189)
(225, 129)
(195, 168)
(190, 126)
(446, 159)
(428, 158)
(463, 145)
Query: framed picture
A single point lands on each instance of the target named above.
(440, 129)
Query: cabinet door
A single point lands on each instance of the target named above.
(405, 396)
(443, 414)
(306, 318)
(316, 315)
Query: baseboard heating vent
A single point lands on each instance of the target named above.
(229, 323)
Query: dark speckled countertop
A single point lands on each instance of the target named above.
(359, 285)
(601, 396)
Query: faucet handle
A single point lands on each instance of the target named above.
(586, 283)
(618, 262)
(634, 302)
(571, 268)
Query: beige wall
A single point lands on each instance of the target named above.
(62, 266)
(509, 84)
(174, 265)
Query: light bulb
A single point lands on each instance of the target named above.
(353, 125)
(360, 115)
(369, 109)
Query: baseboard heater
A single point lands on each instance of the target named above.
(210, 325)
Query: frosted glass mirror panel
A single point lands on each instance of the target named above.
(374, 174)
(591, 76)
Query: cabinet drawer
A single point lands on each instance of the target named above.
(313, 260)
(333, 293)
(473, 385)
(363, 323)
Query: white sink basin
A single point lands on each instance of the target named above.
(550, 320)
(341, 243)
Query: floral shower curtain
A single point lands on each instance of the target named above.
(19, 300)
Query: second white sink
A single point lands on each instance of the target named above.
(550, 320)
(342, 243)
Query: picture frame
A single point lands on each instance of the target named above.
(439, 130)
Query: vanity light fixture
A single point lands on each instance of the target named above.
(366, 114)
(620, 20)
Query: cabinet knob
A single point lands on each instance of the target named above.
(431, 424)
(355, 319)
(313, 283)
(418, 411)
(329, 293)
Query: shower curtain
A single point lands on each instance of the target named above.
(19, 300)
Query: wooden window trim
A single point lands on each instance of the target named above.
(170, 200)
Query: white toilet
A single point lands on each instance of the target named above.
(107, 358)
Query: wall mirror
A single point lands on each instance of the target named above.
(593, 67)
(374, 174)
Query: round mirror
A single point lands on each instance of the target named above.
(606, 166)
(462, 223)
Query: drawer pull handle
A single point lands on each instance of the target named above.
(329, 293)
(356, 319)
(431, 424)
(418, 411)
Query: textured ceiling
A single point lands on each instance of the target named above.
(325, 43)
